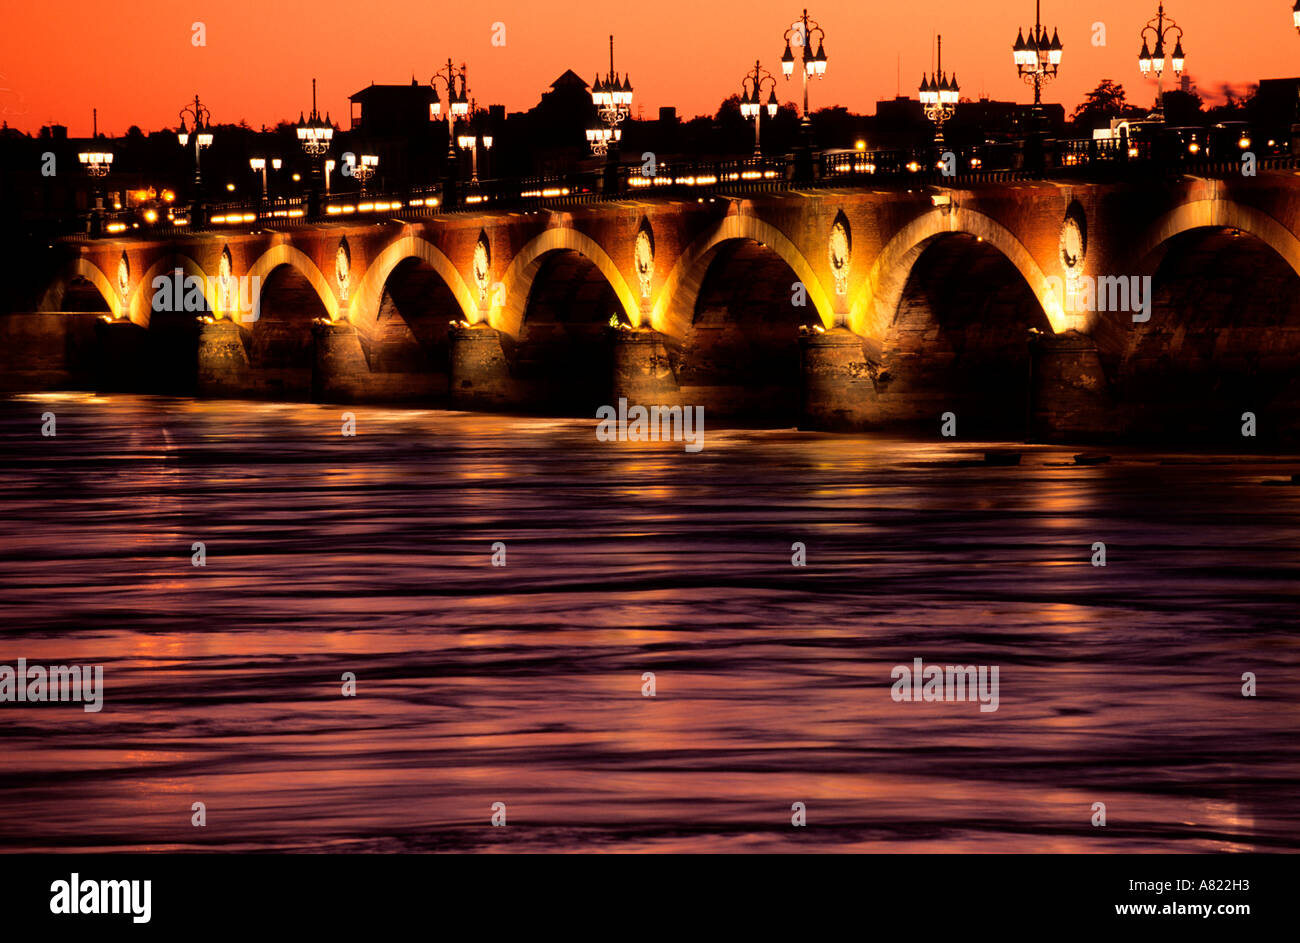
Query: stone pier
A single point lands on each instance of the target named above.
(340, 373)
(1069, 396)
(838, 392)
(224, 368)
(643, 371)
(123, 360)
(48, 350)
(480, 375)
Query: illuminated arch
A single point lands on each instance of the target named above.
(876, 302)
(674, 310)
(518, 281)
(364, 311)
(285, 254)
(1216, 214)
(52, 300)
(140, 302)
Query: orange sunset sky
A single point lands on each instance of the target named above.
(134, 59)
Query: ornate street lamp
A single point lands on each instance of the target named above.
(751, 99)
(97, 163)
(600, 139)
(1150, 60)
(613, 100)
(315, 133)
(363, 168)
(814, 64)
(202, 134)
(939, 94)
(1037, 58)
(457, 101)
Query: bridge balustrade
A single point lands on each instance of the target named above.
(1033, 158)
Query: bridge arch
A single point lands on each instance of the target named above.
(561, 290)
(174, 332)
(946, 313)
(365, 309)
(140, 302)
(52, 300)
(1221, 333)
(874, 308)
(285, 254)
(674, 310)
(1215, 214)
(508, 317)
(732, 317)
(279, 342)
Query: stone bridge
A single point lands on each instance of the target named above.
(827, 307)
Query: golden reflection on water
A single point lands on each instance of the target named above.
(523, 684)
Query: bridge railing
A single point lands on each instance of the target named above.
(420, 201)
(285, 212)
(853, 167)
(1034, 158)
(749, 172)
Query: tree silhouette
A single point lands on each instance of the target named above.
(1107, 100)
(1103, 103)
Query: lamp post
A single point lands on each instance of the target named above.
(202, 133)
(601, 138)
(258, 164)
(457, 101)
(363, 168)
(97, 164)
(613, 100)
(1160, 27)
(814, 66)
(1295, 19)
(471, 142)
(751, 99)
(939, 94)
(457, 107)
(1038, 58)
(315, 134)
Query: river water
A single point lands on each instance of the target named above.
(523, 684)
